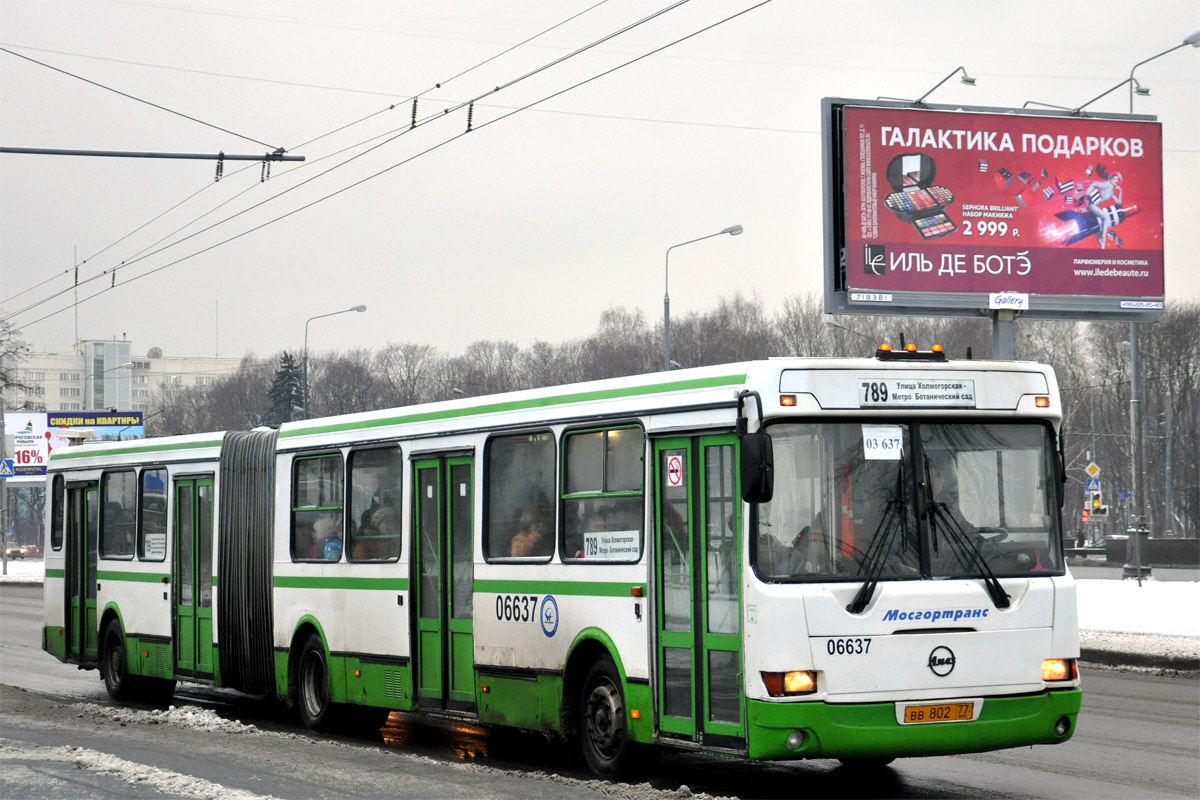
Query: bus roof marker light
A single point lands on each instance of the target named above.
(885, 347)
(787, 399)
(1042, 402)
(910, 348)
(935, 348)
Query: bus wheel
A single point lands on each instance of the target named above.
(603, 735)
(114, 665)
(312, 686)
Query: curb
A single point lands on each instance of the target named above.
(1119, 658)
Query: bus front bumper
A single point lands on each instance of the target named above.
(870, 730)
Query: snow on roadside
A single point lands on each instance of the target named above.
(200, 719)
(1159, 607)
(144, 777)
(22, 570)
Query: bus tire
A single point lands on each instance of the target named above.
(312, 686)
(114, 664)
(603, 730)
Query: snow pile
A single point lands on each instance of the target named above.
(194, 718)
(1162, 607)
(22, 570)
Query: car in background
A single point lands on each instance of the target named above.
(22, 551)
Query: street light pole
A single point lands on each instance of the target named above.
(1137, 527)
(732, 230)
(358, 308)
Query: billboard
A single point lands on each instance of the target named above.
(34, 434)
(938, 210)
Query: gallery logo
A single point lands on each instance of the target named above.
(941, 661)
(874, 259)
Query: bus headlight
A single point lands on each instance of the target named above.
(1059, 669)
(784, 684)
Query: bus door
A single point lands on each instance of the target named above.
(83, 531)
(698, 659)
(444, 649)
(193, 575)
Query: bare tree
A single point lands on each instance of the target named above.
(344, 383)
(405, 369)
(13, 349)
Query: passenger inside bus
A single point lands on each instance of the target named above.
(379, 538)
(327, 535)
(533, 537)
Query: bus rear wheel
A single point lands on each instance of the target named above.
(603, 732)
(114, 665)
(312, 686)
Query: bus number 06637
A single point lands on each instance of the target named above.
(516, 607)
(848, 647)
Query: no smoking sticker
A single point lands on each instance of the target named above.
(674, 471)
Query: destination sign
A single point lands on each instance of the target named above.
(916, 393)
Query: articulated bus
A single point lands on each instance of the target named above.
(854, 559)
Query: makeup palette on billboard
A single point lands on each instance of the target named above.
(958, 201)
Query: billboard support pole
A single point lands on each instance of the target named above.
(1003, 335)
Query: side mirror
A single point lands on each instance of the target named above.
(757, 468)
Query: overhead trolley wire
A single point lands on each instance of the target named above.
(183, 227)
(140, 100)
(409, 159)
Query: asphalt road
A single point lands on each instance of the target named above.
(1138, 736)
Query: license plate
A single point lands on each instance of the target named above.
(957, 711)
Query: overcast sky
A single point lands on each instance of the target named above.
(531, 225)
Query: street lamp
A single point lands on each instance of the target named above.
(732, 230)
(1193, 40)
(92, 401)
(967, 79)
(358, 308)
(1134, 377)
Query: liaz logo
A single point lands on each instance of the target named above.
(941, 661)
(874, 256)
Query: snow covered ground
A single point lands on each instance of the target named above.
(1156, 618)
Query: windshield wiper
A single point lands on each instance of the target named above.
(962, 543)
(882, 544)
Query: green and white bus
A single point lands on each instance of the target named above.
(857, 559)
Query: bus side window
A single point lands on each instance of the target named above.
(118, 493)
(602, 495)
(375, 478)
(58, 499)
(152, 515)
(519, 478)
(317, 497)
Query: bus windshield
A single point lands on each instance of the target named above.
(909, 500)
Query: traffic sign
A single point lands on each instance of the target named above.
(1093, 485)
(1124, 496)
(1092, 469)
(6, 468)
